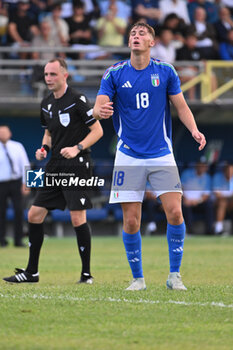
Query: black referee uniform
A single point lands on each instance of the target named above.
(67, 120)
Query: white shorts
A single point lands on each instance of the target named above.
(130, 177)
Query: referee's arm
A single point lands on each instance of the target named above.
(41, 154)
(103, 108)
(47, 139)
(96, 132)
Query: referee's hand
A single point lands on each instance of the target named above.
(41, 154)
(70, 152)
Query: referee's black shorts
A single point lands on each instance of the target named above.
(58, 196)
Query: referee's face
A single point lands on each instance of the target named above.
(55, 76)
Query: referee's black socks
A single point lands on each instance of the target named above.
(36, 237)
(83, 234)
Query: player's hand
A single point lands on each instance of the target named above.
(200, 138)
(70, 152)
(41, 154)
(106, 110)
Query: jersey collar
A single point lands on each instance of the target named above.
(150, 63)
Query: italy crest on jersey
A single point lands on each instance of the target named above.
(155, 80)
(64, 119)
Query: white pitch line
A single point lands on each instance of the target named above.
(114, 300)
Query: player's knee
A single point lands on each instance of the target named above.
(131, 224)
(175, 215)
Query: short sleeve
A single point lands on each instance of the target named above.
(173, 87)
(86, 110)
(107, 84)
(42, 117)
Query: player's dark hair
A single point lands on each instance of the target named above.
(61, 61)
(144, 25)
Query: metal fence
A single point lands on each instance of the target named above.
(202, 82)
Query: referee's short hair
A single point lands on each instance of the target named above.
(61, 61)
(145, 25)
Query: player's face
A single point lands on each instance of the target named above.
(140, 39)
(55, 76)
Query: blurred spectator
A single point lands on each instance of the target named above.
(223, 189)
(196, 184)
(66, 9)
(80, 31)
(45, 40)
(224, 24)
(178, 28)
(226, 48)
(13, 160)
(91, 9)
(228, 4)
(189, 52)
(3, 21)
(147, 11)
(37, 9)
(164, 50)
(111, 29)
(151, 207)
(79, 25)
(179, 7)
(58, 26)
(205, 33)
(21, 28)
(210, 8)
(124, 8)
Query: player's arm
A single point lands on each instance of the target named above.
(42, 152)
(96, 132)
(103, 108)
(187, 118)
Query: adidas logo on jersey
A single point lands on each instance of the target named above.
(127, 85)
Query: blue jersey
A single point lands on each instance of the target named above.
(142, 118)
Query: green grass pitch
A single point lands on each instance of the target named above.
(57, 313)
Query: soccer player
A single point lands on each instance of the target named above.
(136, 93)
(70, 130)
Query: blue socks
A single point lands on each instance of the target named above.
(133, 249)
(175, 239)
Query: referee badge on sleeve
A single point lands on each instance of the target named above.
(64, 119)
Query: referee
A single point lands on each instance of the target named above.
(70, 130)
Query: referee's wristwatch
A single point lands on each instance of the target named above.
(80, 147)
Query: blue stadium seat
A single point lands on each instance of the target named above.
(92, 214)
(60, 217)
(10, 214)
